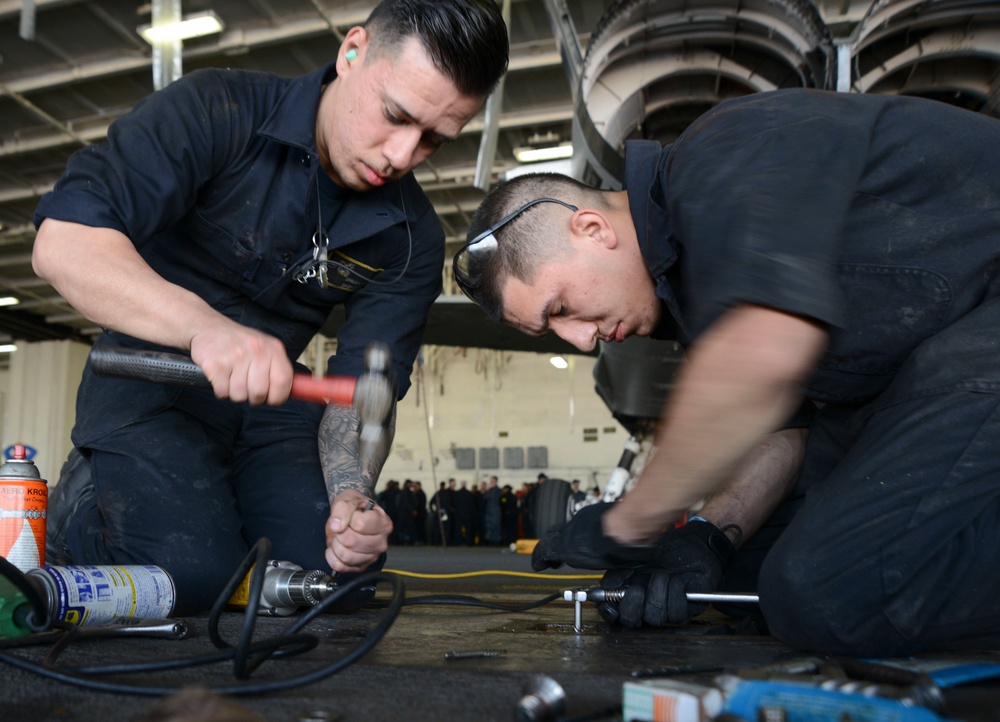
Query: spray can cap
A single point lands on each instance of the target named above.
(19, 466)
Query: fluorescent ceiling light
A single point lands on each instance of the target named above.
(194, 25)
(9, 301)
(7, 348)
(552, 152)
(559, 362)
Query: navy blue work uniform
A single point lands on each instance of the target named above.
(879, 218)
(217, 181)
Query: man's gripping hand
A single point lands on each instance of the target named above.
(689, 559)
(583, 544)
(357, 532)
(243, 364)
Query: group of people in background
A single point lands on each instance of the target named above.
(456, 514)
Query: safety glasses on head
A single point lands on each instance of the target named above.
(469, 262)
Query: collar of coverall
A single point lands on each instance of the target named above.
(652, 223)
(288, 123)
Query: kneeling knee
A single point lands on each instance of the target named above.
(199, 586)
(812, 609)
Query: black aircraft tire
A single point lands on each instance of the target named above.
(551, 503)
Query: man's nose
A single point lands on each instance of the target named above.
(400, 147)
(581, 335)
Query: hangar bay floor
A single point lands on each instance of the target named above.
(406, 675)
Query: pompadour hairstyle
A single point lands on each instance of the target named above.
(466, 39)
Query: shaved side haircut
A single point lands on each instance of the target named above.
(530, 240)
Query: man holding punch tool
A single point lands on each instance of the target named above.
(804, 246)
(224, 217)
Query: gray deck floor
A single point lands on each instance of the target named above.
(406, 675)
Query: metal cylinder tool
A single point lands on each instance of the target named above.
(600, 594)
(287, 587)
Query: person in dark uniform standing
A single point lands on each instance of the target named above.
(492, 532)
(508, 515)
(225, 216)
(804, 246)
(442, 516)
(420, 502)
(465, 516)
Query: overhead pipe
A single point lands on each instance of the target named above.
(491, 123)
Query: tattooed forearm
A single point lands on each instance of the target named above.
(338, 452)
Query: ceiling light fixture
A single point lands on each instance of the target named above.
(195, 25)
(9, 301)
(8, 348)
(550, 152)
(559, 362)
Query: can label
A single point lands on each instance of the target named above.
(101, 594)
(23, 504)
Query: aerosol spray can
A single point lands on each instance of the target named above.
(23, 502)
(88, 595)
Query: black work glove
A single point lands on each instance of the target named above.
(689, 559)
(582, 544)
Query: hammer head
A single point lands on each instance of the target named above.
(374, 398)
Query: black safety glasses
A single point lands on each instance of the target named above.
(473, 256)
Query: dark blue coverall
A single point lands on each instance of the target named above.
(879, 218)
(217, 181)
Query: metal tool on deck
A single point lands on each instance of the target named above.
(287, 587)
(599, 594)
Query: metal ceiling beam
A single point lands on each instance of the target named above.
(329, 20)
(530, 57)
(20, 146)
(10, 8)
(27, 27)
(567, 39)
(229, 41)
(491, 123)
(168, 52)
(20, 259)
(41, 114)
(24, 194)
(99, 132)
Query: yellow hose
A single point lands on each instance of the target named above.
(492, 572)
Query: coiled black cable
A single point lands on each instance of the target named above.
(247, 655)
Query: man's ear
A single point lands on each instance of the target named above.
(592, 225)
(352, 50)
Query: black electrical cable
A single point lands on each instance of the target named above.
(247, 655)
(463, 600)
(41, 617)
(255, 563)
(242, 654)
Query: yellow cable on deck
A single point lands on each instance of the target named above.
(489, 572)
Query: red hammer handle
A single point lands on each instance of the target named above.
(327, 390)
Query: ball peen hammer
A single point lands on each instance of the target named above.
(372, 394)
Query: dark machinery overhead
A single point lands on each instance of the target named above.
(598, 72)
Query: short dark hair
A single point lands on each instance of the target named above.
(527, 241)
(466, 39)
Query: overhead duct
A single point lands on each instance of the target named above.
(653, 66)
(948, 50)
